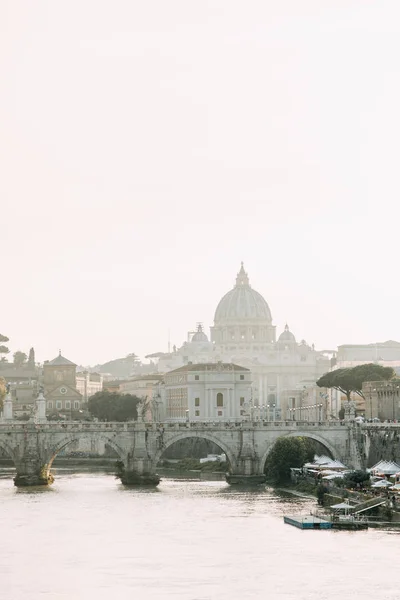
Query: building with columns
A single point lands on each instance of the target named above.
(207, 391)
(243, 333)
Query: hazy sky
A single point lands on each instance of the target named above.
(147, 147)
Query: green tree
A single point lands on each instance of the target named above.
(287, 453)
(31, 358)
(356, 479)
(3, 349)
(19, 358)
(109, 406)
(351, 380)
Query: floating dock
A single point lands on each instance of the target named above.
(308, 522)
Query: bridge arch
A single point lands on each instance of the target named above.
(169, 440)
(314, 436)
(8, 449)
(68, 439)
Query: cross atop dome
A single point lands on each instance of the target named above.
(242, 278)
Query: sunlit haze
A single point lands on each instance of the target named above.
(147, 148)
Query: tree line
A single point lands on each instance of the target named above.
(110, 406)
(19, 358)
(351, 380)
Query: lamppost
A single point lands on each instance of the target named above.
(268, 413)
(273, 412)
(370, 402)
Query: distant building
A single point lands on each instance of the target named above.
(61, 393)
(88, 384)
(113, 385)
(310, 403)
(24, 385)
(141, 386)
(243, 334)
(386, 354)
(382, 399)
(207, 391)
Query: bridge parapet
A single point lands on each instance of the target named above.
(92, 426)
(33, 446)
(379, 426)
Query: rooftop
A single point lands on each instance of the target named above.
(209, 367)
(60, 361)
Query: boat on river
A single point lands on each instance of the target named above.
(308, 522)
(313, 521)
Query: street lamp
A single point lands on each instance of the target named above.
(268, 413)
(370, 402)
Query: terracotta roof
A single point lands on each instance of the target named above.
(209, 367)
(60, 360)
(154, 377)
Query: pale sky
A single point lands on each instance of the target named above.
(147, 147)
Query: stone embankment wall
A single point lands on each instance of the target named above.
(382, 444)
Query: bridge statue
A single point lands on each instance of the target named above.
(8, 405)
(140, 445)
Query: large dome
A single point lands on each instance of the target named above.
(242, 303)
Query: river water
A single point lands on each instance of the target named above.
(88, 537)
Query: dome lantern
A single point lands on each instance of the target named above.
(242, 278)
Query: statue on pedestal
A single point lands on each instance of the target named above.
(8, 405)
(140, 411)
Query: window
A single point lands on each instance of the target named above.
(197, 413)
(58, 404)
(220, 399)
(242, 377)
(220, 413)
(242, 401)
(196, 377)
(197, 401)
(76, 404)
(49, 405)
(68, 404)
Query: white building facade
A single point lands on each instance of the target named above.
(244, 334)
(207, 391)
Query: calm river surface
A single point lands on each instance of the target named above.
(88, 537)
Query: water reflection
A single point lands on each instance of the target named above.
(88, 536)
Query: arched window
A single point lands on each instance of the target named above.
(220, 399)
(76, 404)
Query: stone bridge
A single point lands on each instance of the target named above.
(34, 446)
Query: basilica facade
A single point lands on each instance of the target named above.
(243, 334)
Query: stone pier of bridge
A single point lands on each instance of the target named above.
(139, 446)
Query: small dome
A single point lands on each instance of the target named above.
(242, 303)
(287, 335)
(199, 336)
